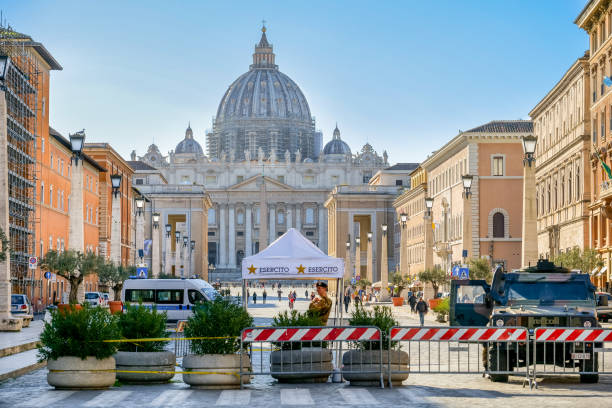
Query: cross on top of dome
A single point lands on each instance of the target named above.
(263, 56)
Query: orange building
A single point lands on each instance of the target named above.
(54, 212)
(108, 158)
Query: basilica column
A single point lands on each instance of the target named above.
(272, 223)
(222, 240)
(322, 229)
(168, 255)
(298, 218)
(177, 256)
(232, 237)
(289, 216)
(248, 244)
(156, 234)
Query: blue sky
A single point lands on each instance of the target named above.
(403, 75)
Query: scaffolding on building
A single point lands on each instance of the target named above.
(20, 86)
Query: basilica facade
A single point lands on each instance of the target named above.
(265, 169)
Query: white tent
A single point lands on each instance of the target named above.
(292, 256)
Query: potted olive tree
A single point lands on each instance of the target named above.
(74, 348)
(221, 321)
(140, 322)
(367, 356)
(399, 284)
(303, 362)
(113, 276)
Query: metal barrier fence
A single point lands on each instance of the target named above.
(571, 350)
(498, 352)
(312, 354)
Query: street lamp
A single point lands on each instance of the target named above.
(139, 205)
(357, 241)
(192, 245)
(155, 220)
(168, 230)
(428, 205)
(177, 235)
(467, 185)
(115, 183)
(384, 229)
(76, 145)
(369, 236)
(348, 244)
(185, 241)
(403, 219)
(529, 147)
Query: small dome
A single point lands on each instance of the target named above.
(336, 145)
(189, 144)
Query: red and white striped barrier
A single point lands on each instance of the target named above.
(311, 334)
(458, 334)
(572, 335)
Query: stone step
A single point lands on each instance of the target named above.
(19, 364)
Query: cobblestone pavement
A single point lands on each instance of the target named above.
(427, 390)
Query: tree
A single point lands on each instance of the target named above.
(435, 277)
(363, 283)
(575, 258)
(114, 276)
(399, 283)
(480, 269)
(73, 266)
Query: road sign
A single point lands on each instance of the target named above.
(358, 277)
(353, 281)
(455, 271)
(464, 253)
(141, 272)
(33, 262)
(47, 275)
(464, 273)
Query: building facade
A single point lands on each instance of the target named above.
(596, 19)
(561, 122)
(493, 155)
(413, 255)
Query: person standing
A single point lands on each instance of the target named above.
(254, 297)
(280, 293)
(306, 294)
(347, 301)
(422, 308)
(291, 300)
(265, 295)
(322, 305)
(412, 301)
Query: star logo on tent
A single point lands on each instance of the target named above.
(301, 268)
(251, 269)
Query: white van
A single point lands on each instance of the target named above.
(176, 297)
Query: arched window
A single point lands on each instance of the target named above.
(569, 187)
(498, 225)
(578, 183)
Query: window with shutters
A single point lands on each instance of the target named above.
(498, 166)
(498, 225)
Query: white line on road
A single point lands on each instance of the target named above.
(47, 398)
(107, 399)
(357, 396)
(296, 396)
(415, 395)
(171, 398)
(234, 397)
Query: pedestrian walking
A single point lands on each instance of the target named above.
(412, 301)
(306, 294)
(291, 300)
(255, 297)
(312, 296)
(280, 293)
(248, 294)
(264, 296)
(347, 301)
(422, 308)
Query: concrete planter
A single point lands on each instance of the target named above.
(299, 365)
(222, 370)
(74, 373)
(357, 361)
(145, 361)
(398, 301)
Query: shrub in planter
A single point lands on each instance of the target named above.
(72, 343)
(299, 357)
(368, 356)
(442, 310)
(140, 322)
(219, 318)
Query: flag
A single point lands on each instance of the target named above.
(603, 164)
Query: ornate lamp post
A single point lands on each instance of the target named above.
(177, 254)
(384, 267)
(168, 255)
(139, 204)
(76, 234)
(369, 274)
(116, 219)
(155, 244)
(427, 219)
(357, 257)
(467, 216)
(529, 243)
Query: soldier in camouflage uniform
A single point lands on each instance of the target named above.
(322, 305)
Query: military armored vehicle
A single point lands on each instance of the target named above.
(540, 296)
